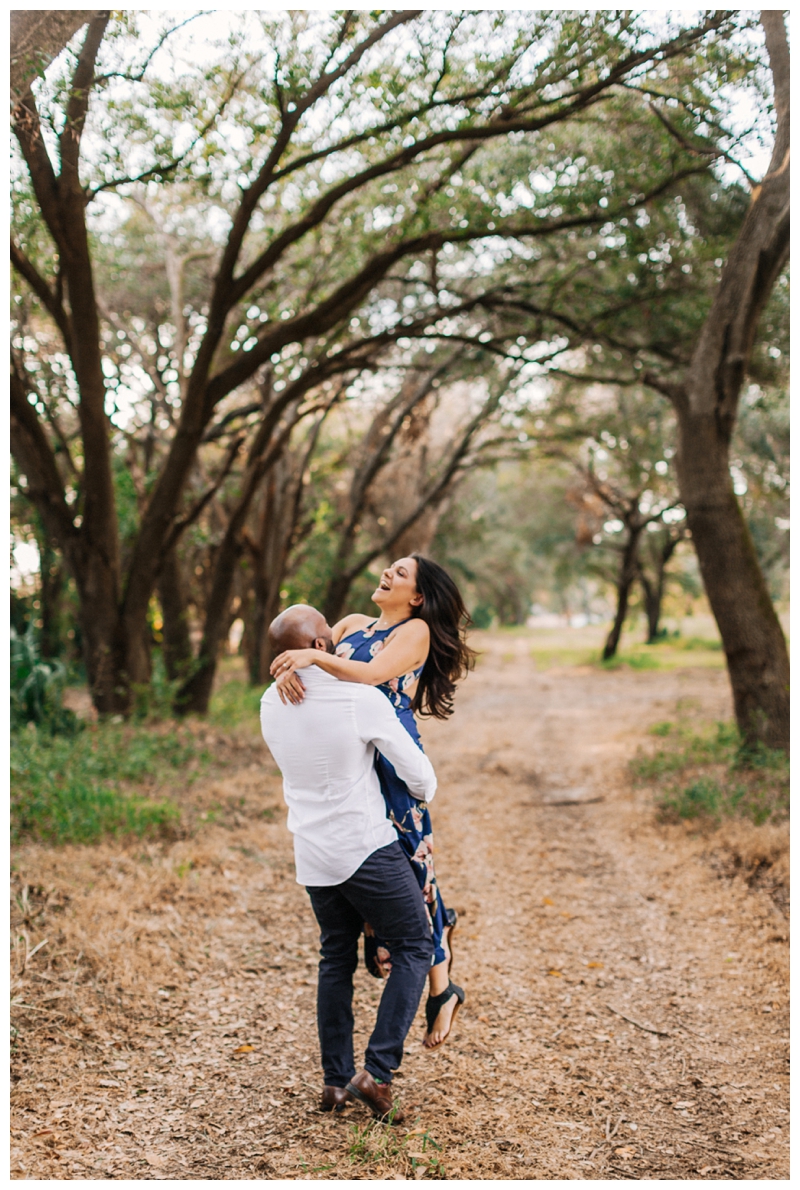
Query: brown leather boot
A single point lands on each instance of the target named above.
(376, 1096)
(334, 1099)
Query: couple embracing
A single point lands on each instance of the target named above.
(357, 784)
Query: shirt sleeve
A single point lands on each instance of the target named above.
(378, 725)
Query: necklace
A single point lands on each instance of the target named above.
(383, 627)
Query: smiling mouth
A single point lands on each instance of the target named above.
(384, 587)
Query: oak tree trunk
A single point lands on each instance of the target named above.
(754, 644)
(706, 405)
(270, 554)
(194, 694)
(653, 589)
(626, 579)
(651, 597)
(37, 37)
(52, 579)
(177, 646)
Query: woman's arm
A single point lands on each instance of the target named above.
(405, 651)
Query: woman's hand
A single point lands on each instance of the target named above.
(290, 689)
(286, 663)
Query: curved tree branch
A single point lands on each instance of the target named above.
(50, 300)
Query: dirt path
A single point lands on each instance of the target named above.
(627, 1011)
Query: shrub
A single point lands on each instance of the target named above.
(69, 789)
(37, 687)
(710, 775)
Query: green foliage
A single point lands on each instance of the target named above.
(37, 687)
(686, 749)
(642, 661)
(235, 703)
(311, 571)
(72, 789)
(693, 643)
(508, 539)
(482, 616)
(155, 701)
(711, 774)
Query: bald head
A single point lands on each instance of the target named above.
(300, 627)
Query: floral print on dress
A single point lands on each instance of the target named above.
(409, 816)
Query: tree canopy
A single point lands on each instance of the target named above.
(224, 229)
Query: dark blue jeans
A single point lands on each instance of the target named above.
(384, 892)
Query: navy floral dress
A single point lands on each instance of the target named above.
(409, 816)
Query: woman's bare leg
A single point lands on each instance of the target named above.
(438, 979)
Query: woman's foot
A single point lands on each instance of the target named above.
(440, 1012)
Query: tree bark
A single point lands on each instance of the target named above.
(653, 590)
(195, 692)
(91, 548)
(52, 578)
(754, 644)
(177, 646)
(653, 593)
(270, 552)
(627, 576)
(37, 37)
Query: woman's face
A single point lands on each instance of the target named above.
(398, 586)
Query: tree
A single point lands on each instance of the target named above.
(706, 402)
(277, 531)
(266, 449)
(619, 439)
(37, 37)
(361, 165)
(659, 547)
(633, 517)
(509, 536)
(674, 298)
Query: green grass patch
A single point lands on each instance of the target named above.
(380, 1147)
(633, 660)
(551, 658)
(708, 774)
(75, 789)
(642, 661)
(667, 655)
(694, 643)
(235, 703)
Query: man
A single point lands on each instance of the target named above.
(348, 856)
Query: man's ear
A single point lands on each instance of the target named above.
(320, 643)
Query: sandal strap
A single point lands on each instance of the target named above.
(434, 1003)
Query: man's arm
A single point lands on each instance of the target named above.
(378, 725)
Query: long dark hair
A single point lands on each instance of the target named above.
(450, 657)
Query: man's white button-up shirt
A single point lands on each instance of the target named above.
(325, 749)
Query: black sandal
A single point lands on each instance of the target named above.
(434, 1005)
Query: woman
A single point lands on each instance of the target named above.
(414, 652)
